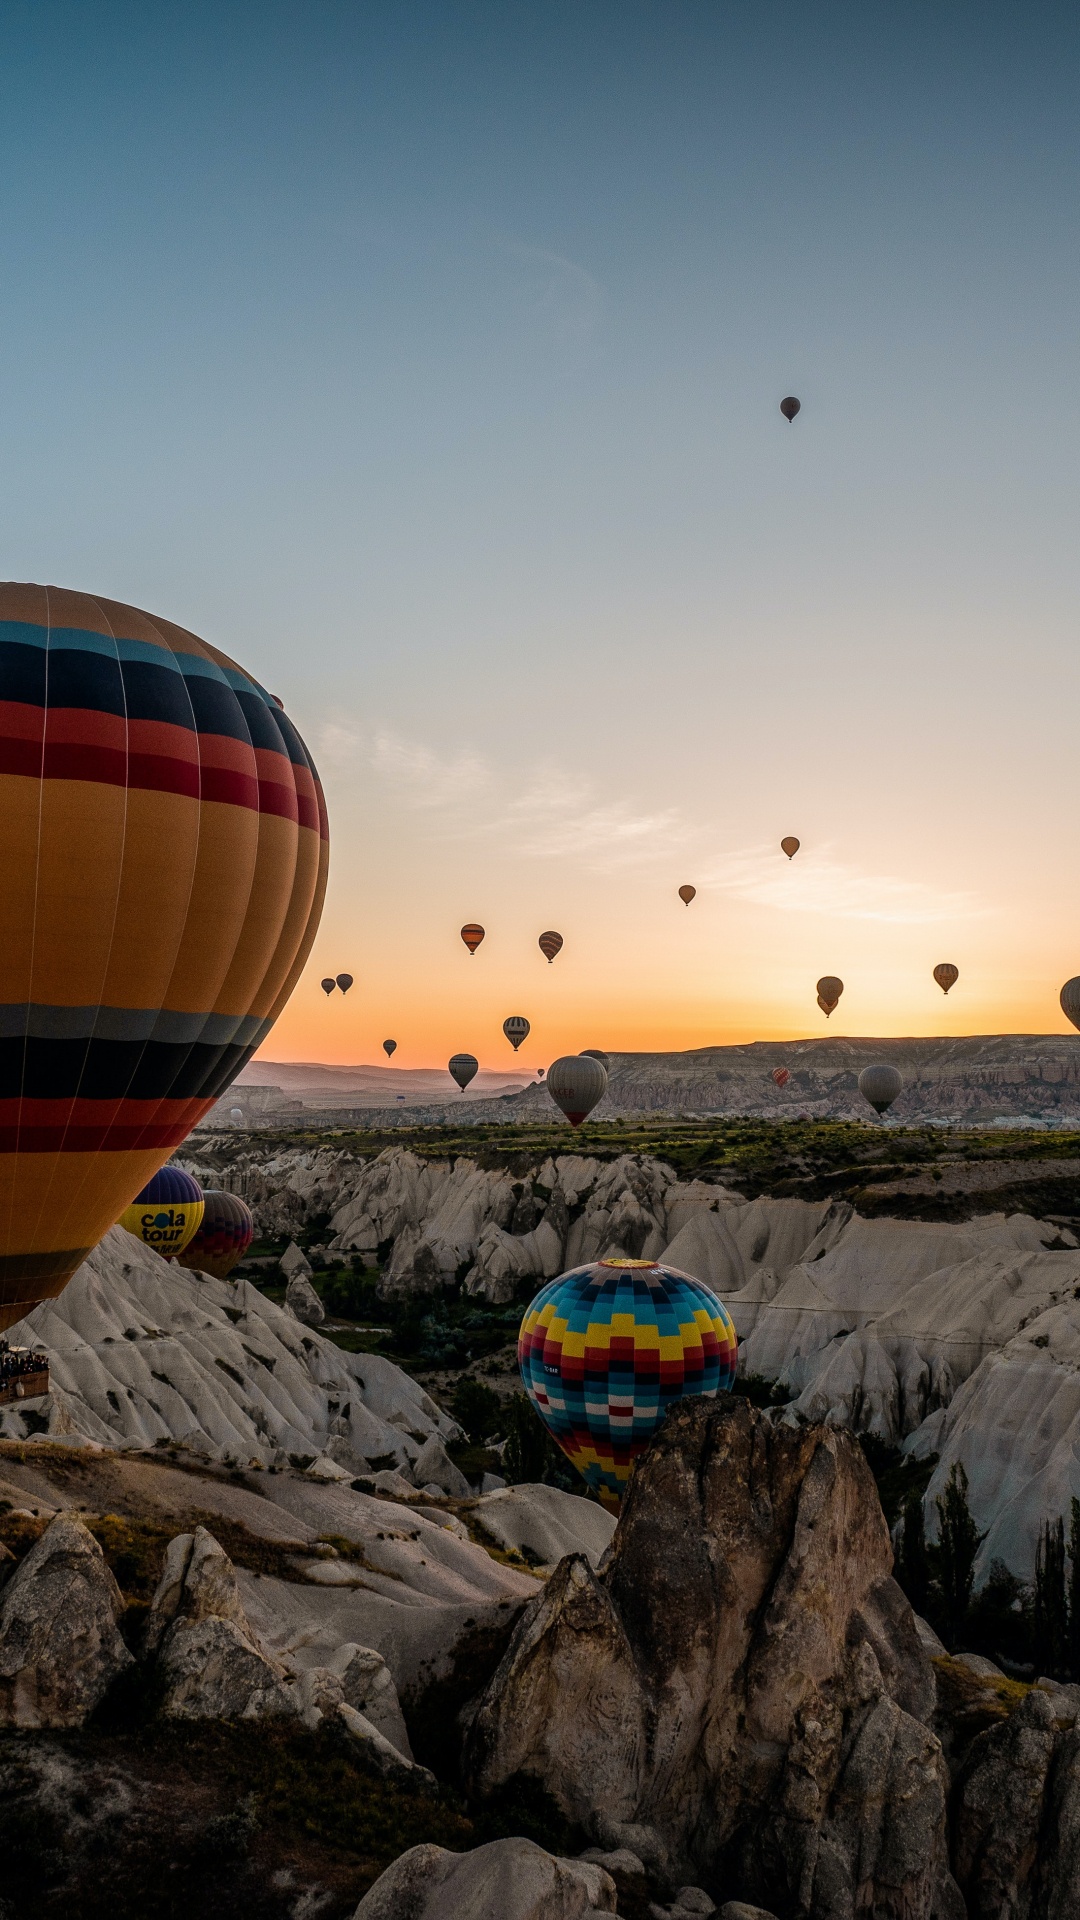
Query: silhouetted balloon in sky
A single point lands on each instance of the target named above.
(328, 984)
(1070, 1000)
(516, 1029)
(472, 934)
(790, 407)
(606, 1349)
(550, 944)
(790, 845)
(880, 1085)
(344, 981)
(596, 1053)
(829, 989)
(686, 894)
(781, 1075)
(576, 1083)
(946, 975)
(389, 1047)
(163, 847)
(463, 1067)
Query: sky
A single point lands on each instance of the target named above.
(427, 359)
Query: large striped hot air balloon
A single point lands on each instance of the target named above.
(222, 1237)
(606, 1349)
(168, 1212)
(163, 848)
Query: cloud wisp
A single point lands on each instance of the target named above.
(820, 883)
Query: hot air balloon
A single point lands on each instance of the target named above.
(790, 407)
(686, 894)
(168, 1211)
(222, 1237)
(781, 1076)
(790, 845)
(344, 981)
(597, 1053)
(550, 944)
(946, 975)
(389, 1047)
(539, 1073)
(606, 1349)
(1070, 1000)
(516, 1029)
(236, 1115)
(829, 990)
(463, 1067)
(576, 1083)
(163, 844)
(880, 1085)
(472, 935)
(328, 984)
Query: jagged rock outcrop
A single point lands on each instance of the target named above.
(60, 1643)
(506, 1880)
(211, 1664)
(302, 1301)
(740, 1695)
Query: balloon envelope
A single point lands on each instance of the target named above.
(472, 934)
(829, 989)
(389, 1047)
(1070, 1000)
(516, 1029)
(222, 1237)
(168, 1211)
(344, 981)
(781, 1075)
(946, 975)
(606, 1349)
(550, 944)
(790, 407)
(790, 845)
(880, 1085)
(328, 984)
(597, 1053)
(686, 894)
(463, 1067)
(163, 844)
(576, 1083)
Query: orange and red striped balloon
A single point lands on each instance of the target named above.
(163, 846)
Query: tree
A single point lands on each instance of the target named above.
(953, 1559)
(526, 1453)
(1074, 1590)
(1049, 1607)
(913, 1559)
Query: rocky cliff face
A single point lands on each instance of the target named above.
(739, 1696)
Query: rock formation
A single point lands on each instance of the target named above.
(60, 1644)
(506, 1880)
(739, 1696)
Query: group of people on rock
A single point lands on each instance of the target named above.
(16, 1362)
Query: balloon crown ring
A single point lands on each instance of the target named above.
(627, 1263)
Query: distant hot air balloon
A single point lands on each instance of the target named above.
(790, 407)
(389, 1047)
(606, 1349)
(946, 975)
(167, 1213)
(344, 981)
(516, 1029)
(790, 845)
(550, 944)
(781, 1075)
(1070, 1000)
(880, 1085)
(463, 1067)
(686, 894)
(596, 1053)
(576, 1083)
(472, 935)
(829, 989)
(222, 1237)
(163, 850)
(328, 984)
(236, 1115)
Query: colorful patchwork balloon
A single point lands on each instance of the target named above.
(605, 1350)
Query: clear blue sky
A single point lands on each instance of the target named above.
(427, 358)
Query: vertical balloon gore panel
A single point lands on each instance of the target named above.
(164, 845)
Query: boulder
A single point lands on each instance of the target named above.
(294, 1264)
(1000, 1811)
(303, 1302)
(741, 1694)
(505, 1880)
(433, 1464)
(211, 1665)
(381, 1752)
(367, 1686)
(60, 1645)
